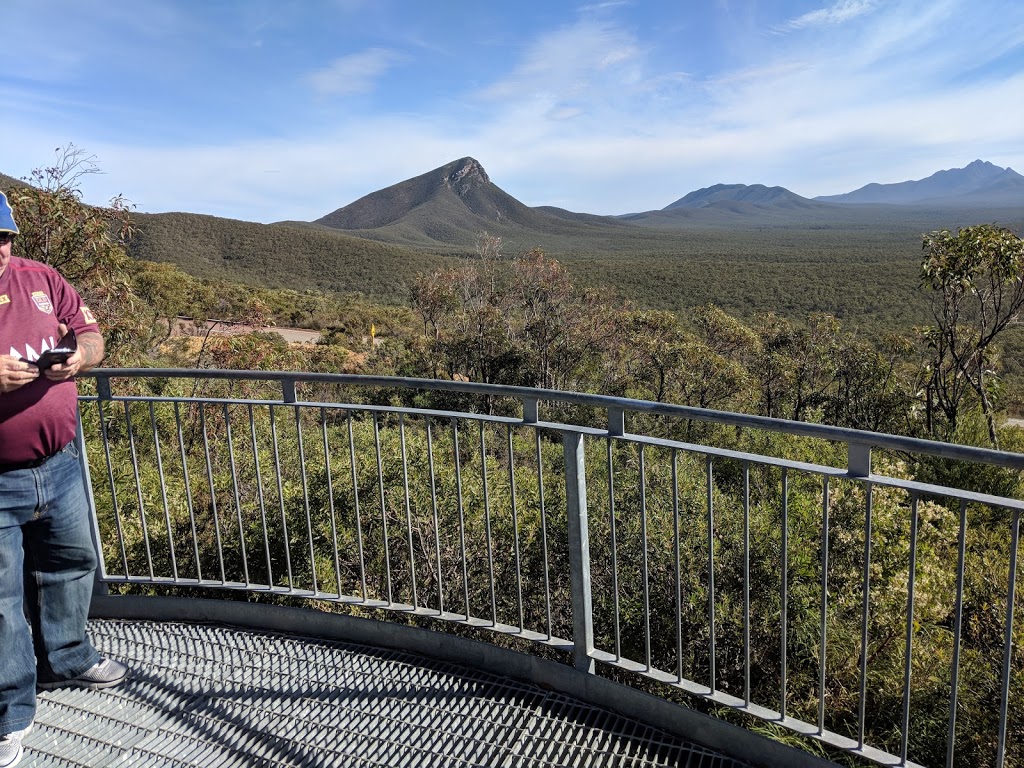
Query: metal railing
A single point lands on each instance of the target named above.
(776, 568)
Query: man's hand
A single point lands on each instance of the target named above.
(15, 374)
(87, 356)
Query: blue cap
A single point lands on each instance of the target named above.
(6, 216)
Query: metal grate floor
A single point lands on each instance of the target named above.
(211, 696)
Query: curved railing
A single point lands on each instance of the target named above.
(833, 582)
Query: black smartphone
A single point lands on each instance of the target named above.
(66, 347)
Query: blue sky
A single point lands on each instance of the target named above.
(266, 110)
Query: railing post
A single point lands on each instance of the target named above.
(531, 411)
(616, 422)
(859, 459)
(288, 391)
(102, 387)
(579, 551)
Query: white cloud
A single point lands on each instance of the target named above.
(591, 119)
(355, 73)
(581, 60)
(604, 6)
(564, 112)
(839, 13)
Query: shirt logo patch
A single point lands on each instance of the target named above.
(86, 313)
(4, 298)
(42, 302)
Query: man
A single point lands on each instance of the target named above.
(47, 559)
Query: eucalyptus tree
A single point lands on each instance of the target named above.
(976, 278)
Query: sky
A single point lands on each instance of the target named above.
(270, 110)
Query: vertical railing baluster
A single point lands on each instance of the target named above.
(259, 495)
(213, 492)
(383, 506)
(1011, 595)
(355, 505)
(304, 479)
(746, 583)
(712, 683)
(515, 528)
(615, 551)
(163, 490)
(104, 430)
(544, 535)
(280, 498)
(462, 515)
(188, 491)
(909, 642)
(954, 684)
(579, 551)
(677, 546)
(99, 586)
(487, 525)
(823, 630)
(434, 512)
(784, 598)
(408, 510)
(330, 501)
(645, 585)
(865, 616)
(138, 488)
(238, 497)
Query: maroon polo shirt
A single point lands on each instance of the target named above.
(37, 419)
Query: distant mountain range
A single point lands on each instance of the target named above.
(448, 207)
(980, 183)
(746, 248)
(451, 205)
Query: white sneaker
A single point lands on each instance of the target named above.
(11, 749)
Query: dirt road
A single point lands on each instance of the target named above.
(229, 328)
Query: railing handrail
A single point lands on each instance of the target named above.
(854, 437)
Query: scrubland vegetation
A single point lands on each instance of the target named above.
(528, 319)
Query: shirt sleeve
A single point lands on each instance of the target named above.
(71, 310)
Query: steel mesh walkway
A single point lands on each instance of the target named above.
(212, 696)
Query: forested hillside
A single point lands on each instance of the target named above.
(295, 256)
(867, 277)
(748, 249)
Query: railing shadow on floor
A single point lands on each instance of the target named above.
(833, 583)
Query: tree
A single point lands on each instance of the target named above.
(565, 329)
(518, 321)
(58, 229)
(772, 366)
(724, 334)
(871, 389)
(655, 348)
(86, 243)
(977, 281)
(169, 293)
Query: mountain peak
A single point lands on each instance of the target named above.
(979, 182)
(752, 194)
(451, 204)
(463, 174)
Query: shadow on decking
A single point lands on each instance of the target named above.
(204, 695)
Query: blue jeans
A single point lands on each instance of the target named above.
(47, 562)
